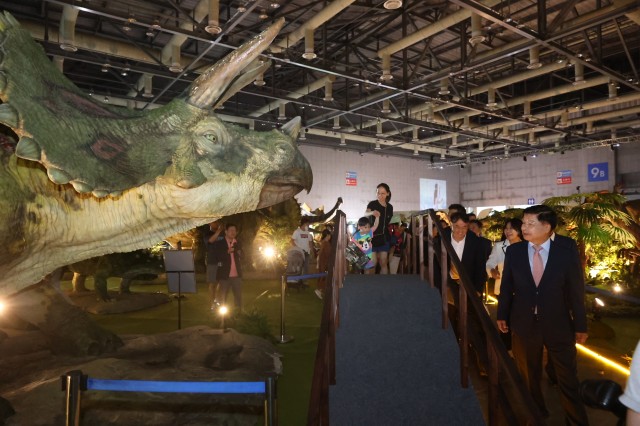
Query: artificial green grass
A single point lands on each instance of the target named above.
(262, 296)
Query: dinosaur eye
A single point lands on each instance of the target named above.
(211, 137)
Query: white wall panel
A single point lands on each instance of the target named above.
(402, 175)
(514, 181)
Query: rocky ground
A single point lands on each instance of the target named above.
(30, 378)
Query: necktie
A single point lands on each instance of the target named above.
(538, 266)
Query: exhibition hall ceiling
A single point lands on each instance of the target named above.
(448, 82)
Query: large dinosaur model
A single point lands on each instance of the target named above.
(87, 179)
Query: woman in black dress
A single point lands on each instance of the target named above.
(381, 236)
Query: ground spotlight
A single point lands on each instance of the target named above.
(222, 311)
(617, 288)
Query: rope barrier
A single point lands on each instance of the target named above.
(175, 387)
(305, 277)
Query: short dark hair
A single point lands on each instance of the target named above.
(230, 225)
(457, 207)
(325, 233)
(476, 221)
(305, 219)
(459, 216)
(516, 224)
(364, 221)
(544, 213)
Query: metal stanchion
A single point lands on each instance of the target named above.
(73, 382)
(283, 289)
(270, 399)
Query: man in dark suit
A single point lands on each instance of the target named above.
(226, 253)
(470, 251)
(542, 302)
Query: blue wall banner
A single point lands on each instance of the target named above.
(598, 172)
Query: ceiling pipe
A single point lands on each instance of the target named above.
(386, 106)
(579, 73)
(534, 58)
(148, 85)
(491, 98)
(328, 88)
(432, 29)
(296, 94)
(282, 114)
(336, 122)
(318, 19)
(58, 61)
(68, 28)
(613, 90)
(477, 35)
(174, 65)
(309, 45)
(214, 18)
(386, 68)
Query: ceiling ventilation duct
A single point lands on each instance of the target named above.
(214, 18)
(477, 35)
(386, 68)
(68, 29)
(534, 58)
(309, 45)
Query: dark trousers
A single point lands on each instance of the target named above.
(527, 350)
(235, 285)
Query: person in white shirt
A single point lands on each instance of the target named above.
(303, 239)
(631, 396)
(512, 232)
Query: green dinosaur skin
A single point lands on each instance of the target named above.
(87, 179)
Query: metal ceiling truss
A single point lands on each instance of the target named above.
(477, 50)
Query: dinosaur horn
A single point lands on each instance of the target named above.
(216, 81)
(292, 128)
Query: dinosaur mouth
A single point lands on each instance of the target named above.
(276, 192)
(282, 187)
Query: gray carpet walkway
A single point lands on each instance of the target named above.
(395, 365)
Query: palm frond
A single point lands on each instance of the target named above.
(619, 234)
(593, 234)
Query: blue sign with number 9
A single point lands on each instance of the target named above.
(598, 172)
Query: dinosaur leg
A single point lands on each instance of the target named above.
(78, 282)
(100, 283)
(125, 285)
(67, 328)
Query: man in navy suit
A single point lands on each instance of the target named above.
(542, 302)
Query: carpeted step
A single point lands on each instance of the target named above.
(395, 365)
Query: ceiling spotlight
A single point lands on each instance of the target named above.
(263, 15)
(176, 68)
(156, 25)
(150, 32)
(125, 71)
(106, 99)
(126, 28)
(242, 8)
(274, 5)
(393, 4)
(105, 67)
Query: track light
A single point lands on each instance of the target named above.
(392, 4)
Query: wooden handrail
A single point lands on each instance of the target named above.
(324, 372)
